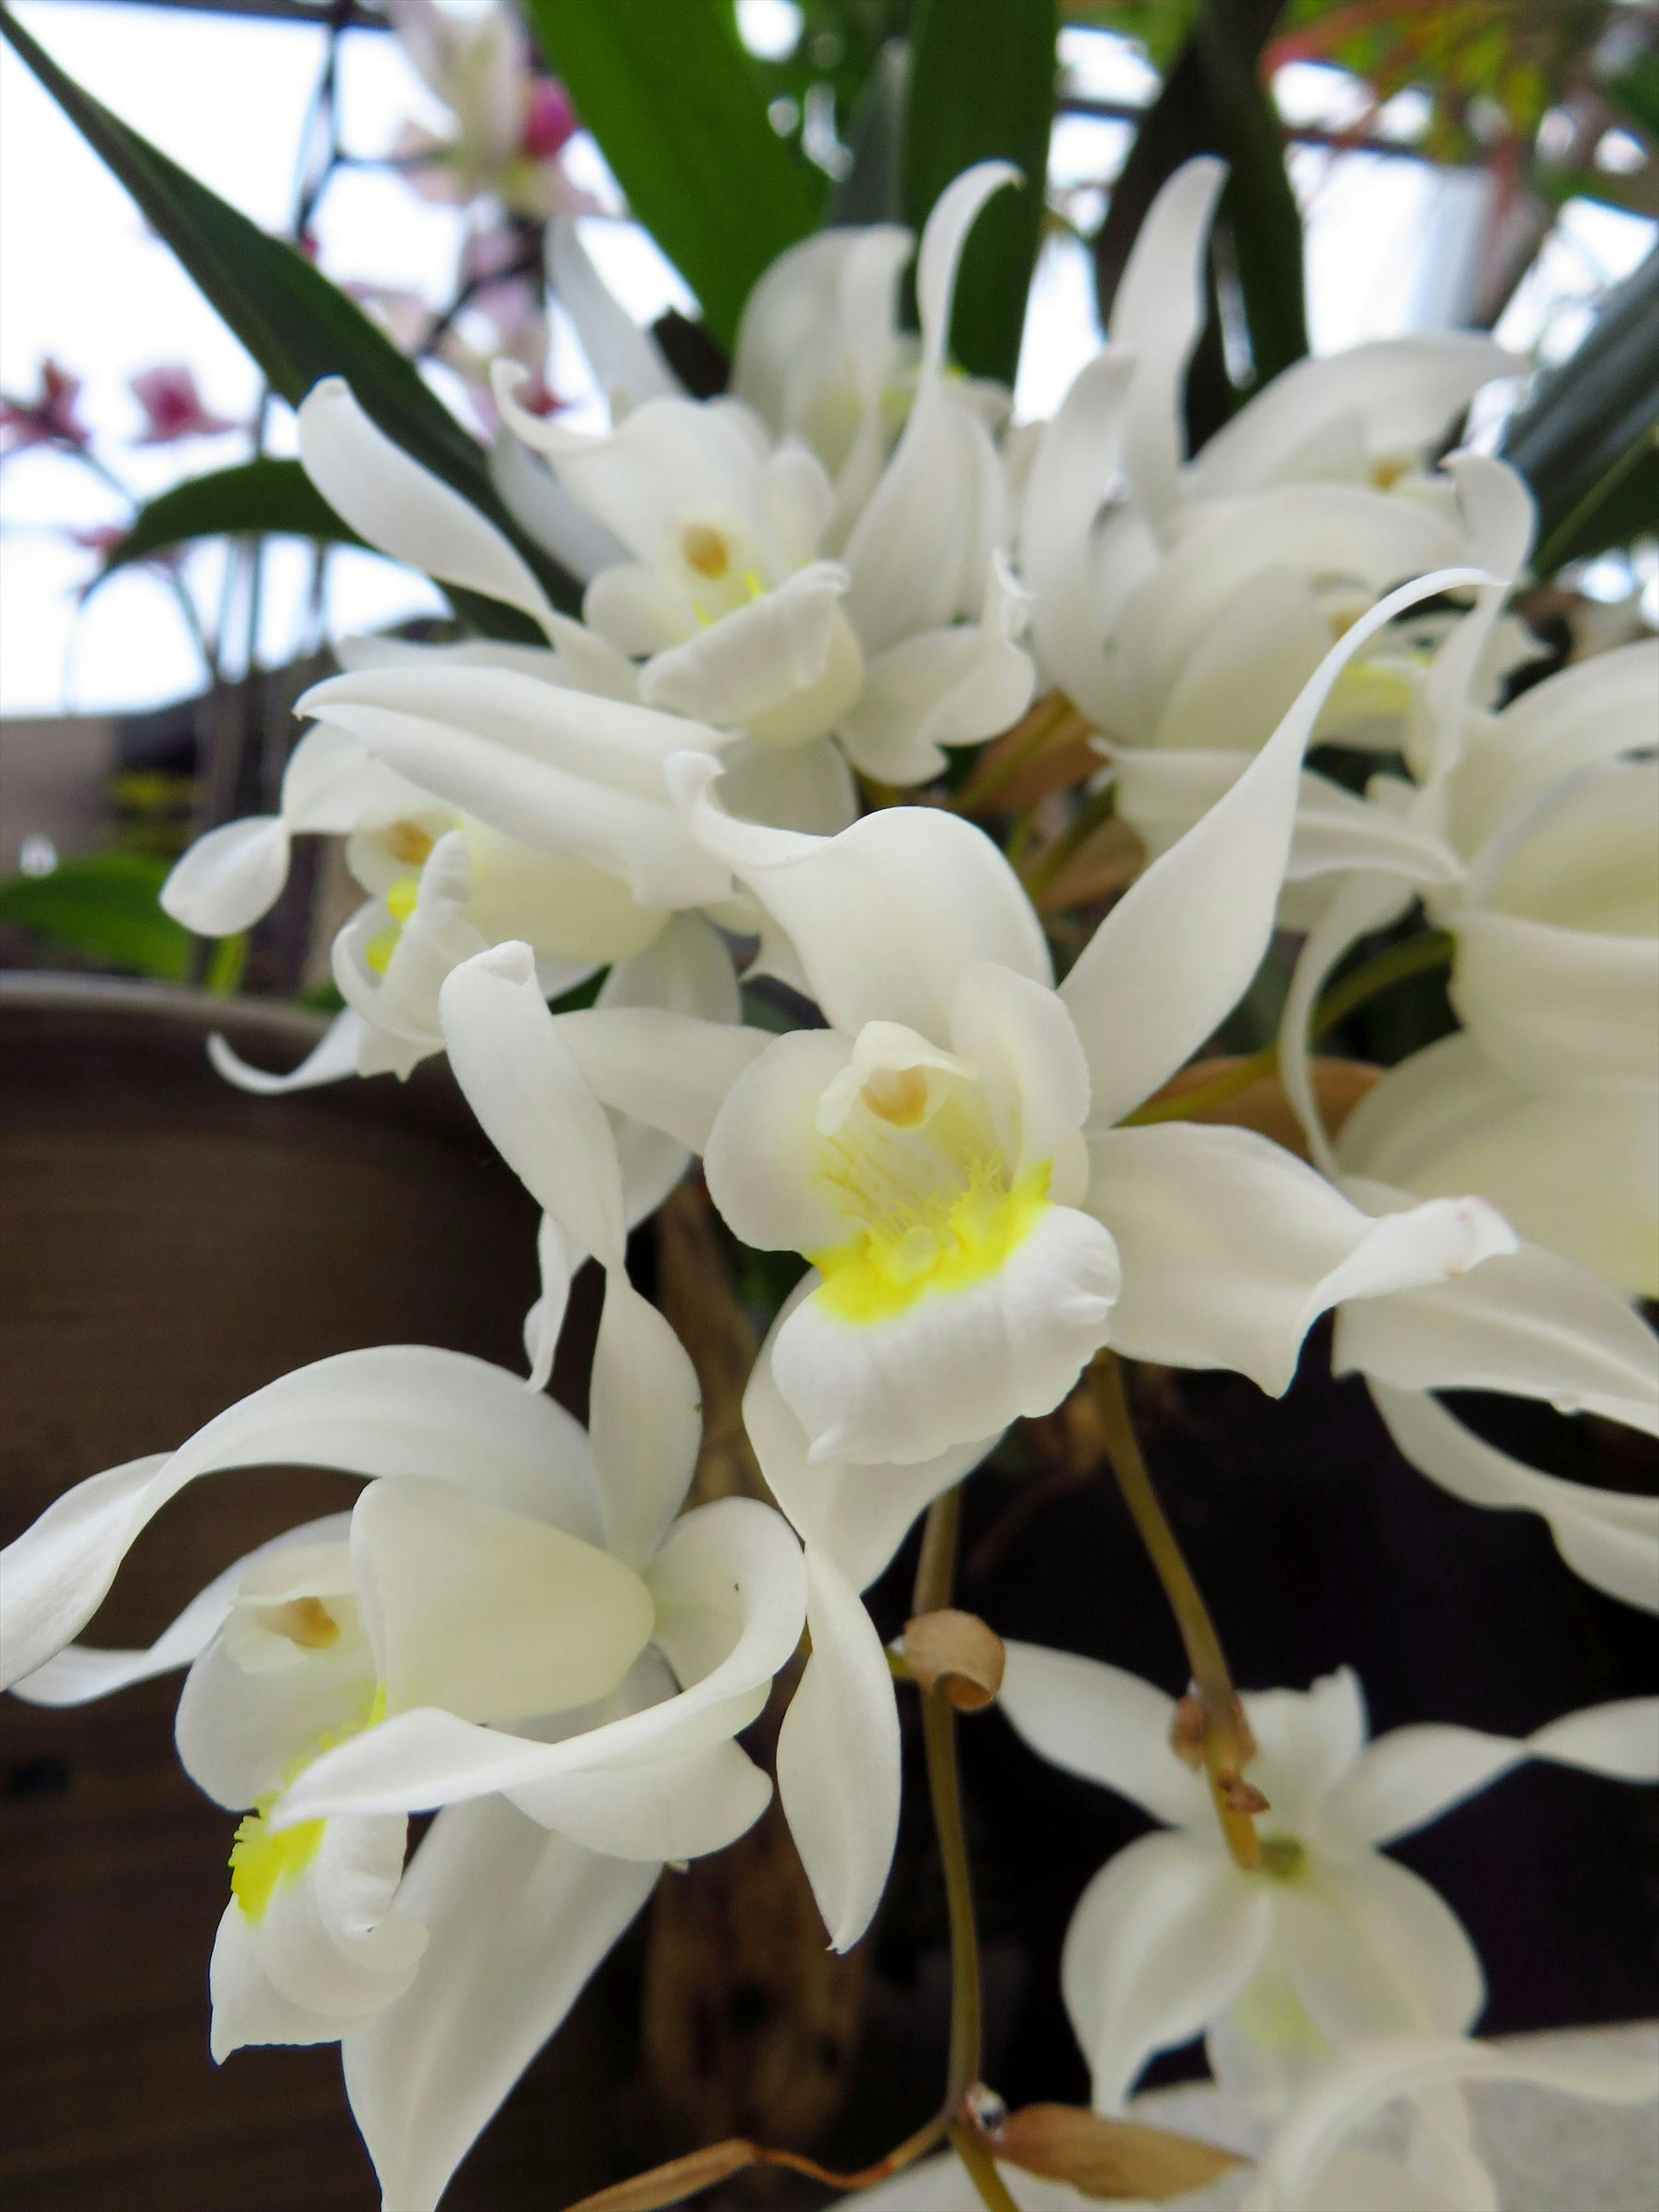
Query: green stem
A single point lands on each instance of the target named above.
(971, 2148)
(935, 1574)
(1225, 1750)
(1416, 956)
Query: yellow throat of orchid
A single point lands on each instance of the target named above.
(262, 1857)
(937, 1208)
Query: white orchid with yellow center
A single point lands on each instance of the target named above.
(758, 595)
(511, 1624)
(1327, 1944)
(947, 1151)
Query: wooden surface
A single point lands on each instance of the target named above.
(167, 1244)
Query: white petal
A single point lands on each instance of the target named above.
(915, 876)
(398, 1409)
(1163, 1938)
(559, 769)
(790, 787)
(1536, 1325)
(1307, 1741)
(729, 1594)
(645, 1419)
(1608, 1537)
(1413, 1775)
(1232, 1247)
(672, 1810)
(1559, 1006)
(1108, 1726)
(517, 1920)
(402, 508)
(942, 687)
(242, 1731)
(788, 658)
(943, 236)
(1345, 2098)
(955, 1364)
(761, 1156)
(672, 1071)
(545, 511)
(1372, 1950)
(1586, 712)
(328, 1942)
(626, 361)
(1577, 1172)
(1401, 394)
(1177, 952)
(1076, 471)
(230, 877)
(1157, 316)
(1020, 1038)
(82, 1671)
(535, 1105)
(838, 1756)
(488, 1613)
(857, 1516)
(1246, 664)
(334, 1055)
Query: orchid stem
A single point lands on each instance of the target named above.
(971, 2148)
(935, 1575)
(1227, 1741)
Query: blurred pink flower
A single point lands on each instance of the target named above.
(173, 408)
(49, 418)
(549, 120)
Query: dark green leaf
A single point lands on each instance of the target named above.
(264, 497)
(983, 87)
(680, 115)
(106, 906)
(1635, 87)
(295, 324)
(1584, 440)
(872, 191)
(1213, 102)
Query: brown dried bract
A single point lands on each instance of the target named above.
(957, 1652)
(1109, 2158)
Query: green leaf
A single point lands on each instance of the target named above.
(295, 324)
(105, 906)
(680, 115)
(983, 88)
(1584, 440)
(256, 498)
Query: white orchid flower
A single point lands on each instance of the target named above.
(1183, 605)
(753, 599)
(1329, 1944)
(946, 1153)
(510, 1625)
(1312, 2164)
(838, 1749)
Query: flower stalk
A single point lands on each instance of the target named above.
(1224, 1744)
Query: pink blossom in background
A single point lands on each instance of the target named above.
(173, 408)
(549, 120)
(49, 418)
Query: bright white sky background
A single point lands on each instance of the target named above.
(1389, 249)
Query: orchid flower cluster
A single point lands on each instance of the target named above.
(735, 783)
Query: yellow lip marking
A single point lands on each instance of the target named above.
(705, 549)
(262, 1857)
(944, 1240)
(400, 902)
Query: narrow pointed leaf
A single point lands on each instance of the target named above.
(295, 324)
(680, 114)
(105, 906)
(263, 497)
(983, 88)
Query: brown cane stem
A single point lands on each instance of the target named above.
(1226, 1743)
(935, 1575)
